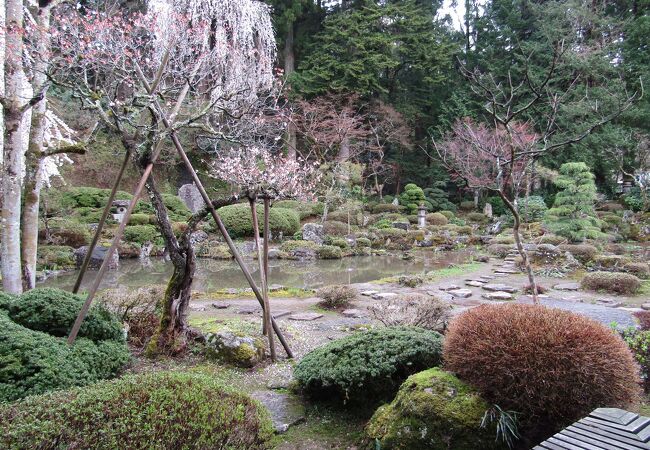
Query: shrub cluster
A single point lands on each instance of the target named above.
(239, 223)
(386, 208)
(156, 410)
(54, 257)
(639, 269)
(67, 232)
(582, 252)
(414, 310)
(552, 366)
(615, 282)
(329, 252)
(304, 209)
(639, 342)
(140, 234)
(413, 197)
(368, 365)
(335, 228)
(437, 218)
(337, 296)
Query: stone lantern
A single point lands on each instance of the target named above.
(422, 216)
(119, 207)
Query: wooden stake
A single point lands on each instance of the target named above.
(100, 225)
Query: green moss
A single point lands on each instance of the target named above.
(433, 410)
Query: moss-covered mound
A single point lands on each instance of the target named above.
(433, 410)
(163, 410)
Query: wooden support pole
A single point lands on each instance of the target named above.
(111, 250)
(100, 225)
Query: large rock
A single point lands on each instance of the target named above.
(239, 350)
(313, 232)
(286, 410)
(97, 258)
(191, 196)
(433, 410)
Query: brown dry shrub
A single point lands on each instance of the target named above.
(614, 282)
(137, 309)
(639, 269)
(437, 219)
(335, 228)
(552, 366)
(528, 289)
(582, 252)
(413, 310)
(336, 296)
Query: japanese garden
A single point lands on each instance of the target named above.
(330, 224)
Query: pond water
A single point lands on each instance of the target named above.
(217, 274)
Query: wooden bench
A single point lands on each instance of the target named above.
(604, 428)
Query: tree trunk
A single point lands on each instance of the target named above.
(289, 67)
(13, 150)
(267, 231)
(520, 247)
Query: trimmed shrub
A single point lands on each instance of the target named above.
(304, 209)
(54, 257)
(448, 214)
(433, 410)
(552, 239)
(153, 410)
(611, 262)
(290, 246)
(412, 197)
(363, 242)
(333, 297)
(386, 208)
(582, 252)
(477, 217)
(139, 219)
(639, 343)
(34, 362)
(368, 365)
(54, 311)
(340, 242)
(329, 252)
(335, 228)
(552, 366)
(437, 218)
(140, 234)
(532, 208)
(639, 269)
(467, 205)
(5, 301)
(500, 250)
(613, 282)
(239, 223)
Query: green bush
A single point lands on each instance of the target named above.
(412, 198)
(437, 196)
(239, 223)
(329, 252)
(477, 217)
(613, 282)
(498, 206)
(448, 214)
(54, 257)
(89, 197)
(304, 209)
(433, 410)
(34, 362)
(383, 223)
(363, 242)
(368, 365)
(467, 205)
(532, 208)
(333, 297)
(154, 410)
(140, 234)
(335, 228)
(386, 208)
(139, 219)
(573, 215)
(5, 301)
(634, 200)
(340, 242)
(639, 269)
(290, 246)
(54, 311)
(639, 343)
(437, 219)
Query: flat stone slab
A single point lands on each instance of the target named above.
(278, 314)
(249, 311)
(448, 287)
(601, 313)
(286, 410)
(197, 307)
(506, 271)
(354, 313)
(474, 283)
(306, 317)
(646, 306)
(499, 288)
(461, 293)
(220, 305)
(486, 277)
(610, 303)
(567, 286)
(369, 293)
(498, 295)
(384, 295)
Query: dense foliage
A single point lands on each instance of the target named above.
(156, 410)
(239, 223)
(552, 366)
(368, 365)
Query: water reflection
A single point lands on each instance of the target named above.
(216, 274)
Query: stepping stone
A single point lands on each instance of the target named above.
(448, 287)
(506, 271)
(499, 288)
(567, 286)
(486, 278)
(474, 283)
(354, 313)
(220, 305)
(306, 317)
(277, 314)
(249, 311)
(646, 306)
(286, 409)
(197, 307)
(461, 293)
(369, 293)
(384, 295)
(610, 303)
(498, 295)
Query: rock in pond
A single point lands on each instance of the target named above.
(239, 350)
(97, 257)
(313, 232)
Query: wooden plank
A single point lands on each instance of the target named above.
(549, 446)
(629, 439)
(570, 443)
(610, 426)
(607, 441)
(619, 416)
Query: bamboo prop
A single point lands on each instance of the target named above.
(266, 245)
(111, 250)
(100, 225)
(266, 311)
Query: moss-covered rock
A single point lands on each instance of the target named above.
(234, 348)
(330, 252)
(433, 410)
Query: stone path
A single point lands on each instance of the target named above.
(603, 314)
(286, 409)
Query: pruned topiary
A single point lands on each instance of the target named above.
(614, 282)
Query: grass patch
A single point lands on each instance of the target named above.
(228, 294)
(234, 325)
(438, 274)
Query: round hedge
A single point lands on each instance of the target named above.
(433, 410)
(54, 311)
(368, 365)
(149, 411)
(33, 362)
(614, 282)
(552, 366)
(237, 220)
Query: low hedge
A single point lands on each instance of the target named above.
(368, 365)
(54, 311)
(614, 282)
(304, 209)
(329, 252)
(437, 218)
(34, 362)
(155, 410)
(238, 221)
(140, 234)
(582, 252)
(335, 228)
